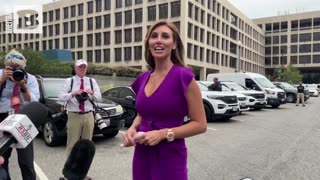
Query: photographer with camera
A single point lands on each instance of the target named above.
(17, 88)
(76, 92)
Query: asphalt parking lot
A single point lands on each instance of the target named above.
(274, 144)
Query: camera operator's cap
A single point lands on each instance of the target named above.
(15, 57)
(80, 62)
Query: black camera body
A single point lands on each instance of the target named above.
(19, 74)
(82, 97)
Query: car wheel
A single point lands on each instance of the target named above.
(290, 98)
(50, 134)
(208, 112)
(111, 134)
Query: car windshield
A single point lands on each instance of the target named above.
(286, 85)
(236, 87)
(203, 87)
(264, 82)
(52, 87)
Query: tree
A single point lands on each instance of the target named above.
(292, 74)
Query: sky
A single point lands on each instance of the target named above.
(251, 8)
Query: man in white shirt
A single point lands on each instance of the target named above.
(77, 91)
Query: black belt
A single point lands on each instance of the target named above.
(82, 112)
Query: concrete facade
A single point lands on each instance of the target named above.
(292, 39)
(217, 37)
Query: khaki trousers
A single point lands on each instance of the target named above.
(79, 126)
(300, 96)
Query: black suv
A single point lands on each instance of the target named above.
(54, 128)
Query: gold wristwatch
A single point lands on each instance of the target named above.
(170, 135)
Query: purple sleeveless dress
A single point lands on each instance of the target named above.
(165, 108)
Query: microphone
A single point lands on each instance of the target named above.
(79, 160)
(20, 129)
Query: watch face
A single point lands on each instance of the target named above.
(170, 136)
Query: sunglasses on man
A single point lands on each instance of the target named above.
(11, 56)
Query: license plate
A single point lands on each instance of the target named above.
(235, 108)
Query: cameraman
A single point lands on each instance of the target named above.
(80, 117)
(17, 88)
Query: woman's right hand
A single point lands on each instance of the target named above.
(128, 137)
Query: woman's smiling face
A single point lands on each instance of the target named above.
(161, 42)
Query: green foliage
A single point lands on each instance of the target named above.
(293, 74)
(37, 64)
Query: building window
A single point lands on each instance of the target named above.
(89, 56)
(138, 34)
(294, 49)
(267, 61)
(316, 47)
(80, 9)
(175, 9)
(73, 11)
(90, 23)
(106, 20)
(275, 39)
(128, 3)
(106, 55)
(152, 13)
(127, 53)
(89, 40)
(138, 1)
(117, 54)
(65, 43)
(316, 36)
(98, 39)
(90, 7)
(305, 37)
(79, 55)
(306, 59)
(294, 38)
(107, 4)
(80, 25)
(57, 43)
(73, 26)
(51, 30)
(98, 5)
(98, 22)
(65, 28)
(118, 3)
(118, 37)
(98, 56)
(305, 48)
(128, 17)
(190, 8)
(118, 19)
(57, 29)
(66, 13)
(44, 45)
(137, 52)
(72, 42)
(163, 11)
(57, 14)
(80, 41)
(284, 39)
(138, 15)
(294, 60)
(50, 16)
(128, 35)
(106, 38)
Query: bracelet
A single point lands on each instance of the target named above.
(22, 90)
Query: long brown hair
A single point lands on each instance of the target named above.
(177, 55)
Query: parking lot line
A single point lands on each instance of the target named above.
(39, 172)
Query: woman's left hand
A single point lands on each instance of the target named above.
(150, 138)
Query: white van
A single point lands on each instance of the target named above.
(275, 96)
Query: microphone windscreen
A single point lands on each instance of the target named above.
(36, 112)
(79, 160)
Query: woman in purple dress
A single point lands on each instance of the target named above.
(164, 96)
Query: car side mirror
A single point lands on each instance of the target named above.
(130, 98)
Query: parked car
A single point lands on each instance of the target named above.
(124, 96)
(291, 92)
(217, 104)
(255, 99)
(242, 99)
(54, 128)
(312, 90)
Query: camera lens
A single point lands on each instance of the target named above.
(18, 75)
